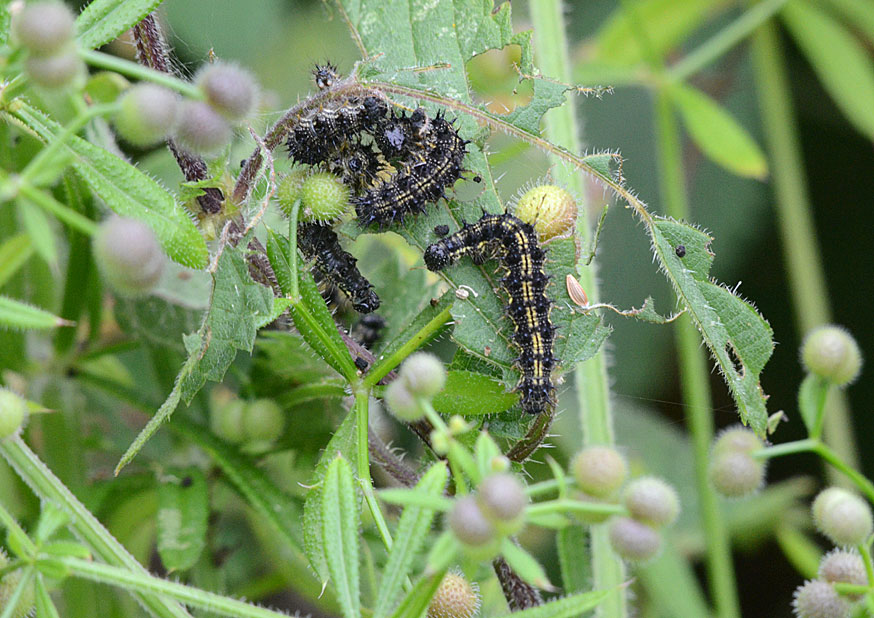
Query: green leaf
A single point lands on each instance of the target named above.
(343, 442)
(104, 20)
(45, 608)
(572, 545)
(311, 315)
(16, 314)
(717, 134)
(486, 451)
(14, 252)
(739, 339)
(36, 224)
(413, 497)
(471, 394)
(842, 63)
(811, 402)
(258, 489)
(666, 24)
(416, 602)
(412, 530)
(66, 548)
(238, 308)
(525, 565)
(856, 13)
(442, 552)
(128, 192)
(183, 510)
(671, 584)
(566, 607)
(340, 521)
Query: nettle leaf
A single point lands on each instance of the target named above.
(739, 339)
(127, 191)
(183, 510)
(399, 36)
(104, 20)
(238, 307)
(412, 530)
(340, 522)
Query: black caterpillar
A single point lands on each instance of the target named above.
(368, 330)
(337, 267)
(515, 243)
(432, 153)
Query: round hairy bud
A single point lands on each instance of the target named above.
(599, 470)
(469, 525)
(13, 412)
(818, 599)
(632, 540)
(502, 499)
(263, 421)
(736, 439)
(128, 255)
(455, 598)
(226, 420)
(201, 129)
(147, 114)
(845, 567)
(288, 191)
(832, 353)
(54, 71)
(401, 402)
(323, 197)
(735, 474)
(230, 90)
(424, 374)
(551, 209)
(843, 517)
(651, 500)
(44, 28)
(9, 584)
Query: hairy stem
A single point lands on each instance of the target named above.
(694, 380)
(798, 235)
(592, 387)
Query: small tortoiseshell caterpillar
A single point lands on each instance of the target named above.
(368, 330)
(432, 154)
(320, 243)
(515, 243)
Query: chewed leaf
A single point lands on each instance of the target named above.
(238, 307)
(739, 339)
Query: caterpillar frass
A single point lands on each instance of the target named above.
(515, 244)
(421, 178)
(337, 267)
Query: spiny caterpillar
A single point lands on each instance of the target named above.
(515, 243)
(320, 243)
(431, 154)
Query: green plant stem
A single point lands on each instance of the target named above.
(828, 455)
(592, 386)
(294, 289)
(146, 584)
(383, 367)
(714, 47)
(138, 71)
(301, 311)
(865, 552)
(69, 216)
(362, 420)
(794, 218)
(574, 506)
(694, 380)
(48, 487)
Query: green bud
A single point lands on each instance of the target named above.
(832, 353)
(599, 470)
(147, 114)
(44, 28)
(551, 209)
